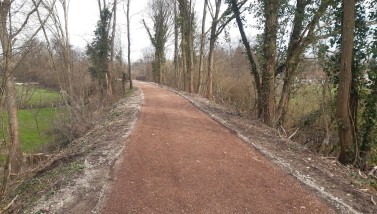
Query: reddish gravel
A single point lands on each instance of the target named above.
(179, 160)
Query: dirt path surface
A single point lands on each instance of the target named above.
(179, 160)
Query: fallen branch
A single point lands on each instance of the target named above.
(362, 175)
(329, 157)
(283, 130)
(371, 173)
(371, 198)
(9, 205)
(294, 133)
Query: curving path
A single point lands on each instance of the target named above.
(179, 160)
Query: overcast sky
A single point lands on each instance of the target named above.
(83, 16)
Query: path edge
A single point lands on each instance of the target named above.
(284, 165)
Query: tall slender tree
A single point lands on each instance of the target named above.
(14, 36)
(347, 138)
(176, 45)
(301, 37)
(253, 59)
(129, 44)
(186, 21)
(201, 51)
(271, 15)
(219, 22)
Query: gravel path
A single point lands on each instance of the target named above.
(179, 160)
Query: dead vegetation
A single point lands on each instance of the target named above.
(78, 176)
(345, 187)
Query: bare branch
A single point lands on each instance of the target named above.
(13, 35)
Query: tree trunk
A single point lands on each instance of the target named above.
(212, 42)
(183, 50)
(201, 52)
(176, 60)
(67, 49)
(160, 69)
(129, 44)
(271, 10)
(15, 158)
(346, 127)
(110, 87)
(254, 65)
(297, 45)
(292, 60)
(190, 49)
(15, 152)
(210, 68)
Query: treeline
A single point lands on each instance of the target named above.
(36, 47)
(329, 44)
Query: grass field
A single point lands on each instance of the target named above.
(34, 96)
(35, 119)
(34, 125)
(304, 101)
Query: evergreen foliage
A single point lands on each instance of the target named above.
(99, 50)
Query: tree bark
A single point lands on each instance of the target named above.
(129, 44)
(346, 127)
(271, 10)
(212, 41)
(15, 158)
(183, 15)
(183, 53)
(190, 49)
(201, 52)
(176, 57)
(110, 81)
(67, 49)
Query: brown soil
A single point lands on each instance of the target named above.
(179, 160)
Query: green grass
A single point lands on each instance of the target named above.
(35, 96)
(34, 123)
(130, 91)
(305, 100)
(33, 126)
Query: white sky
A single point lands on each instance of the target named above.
(83, 16)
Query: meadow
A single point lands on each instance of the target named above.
(37, 109)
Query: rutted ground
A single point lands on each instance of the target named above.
(94, 157)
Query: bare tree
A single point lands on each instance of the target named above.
(176, 45)
(219, 22)
(15, 35)
(253, 60)
(212, 41)
(129, 44)
(202, 41)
